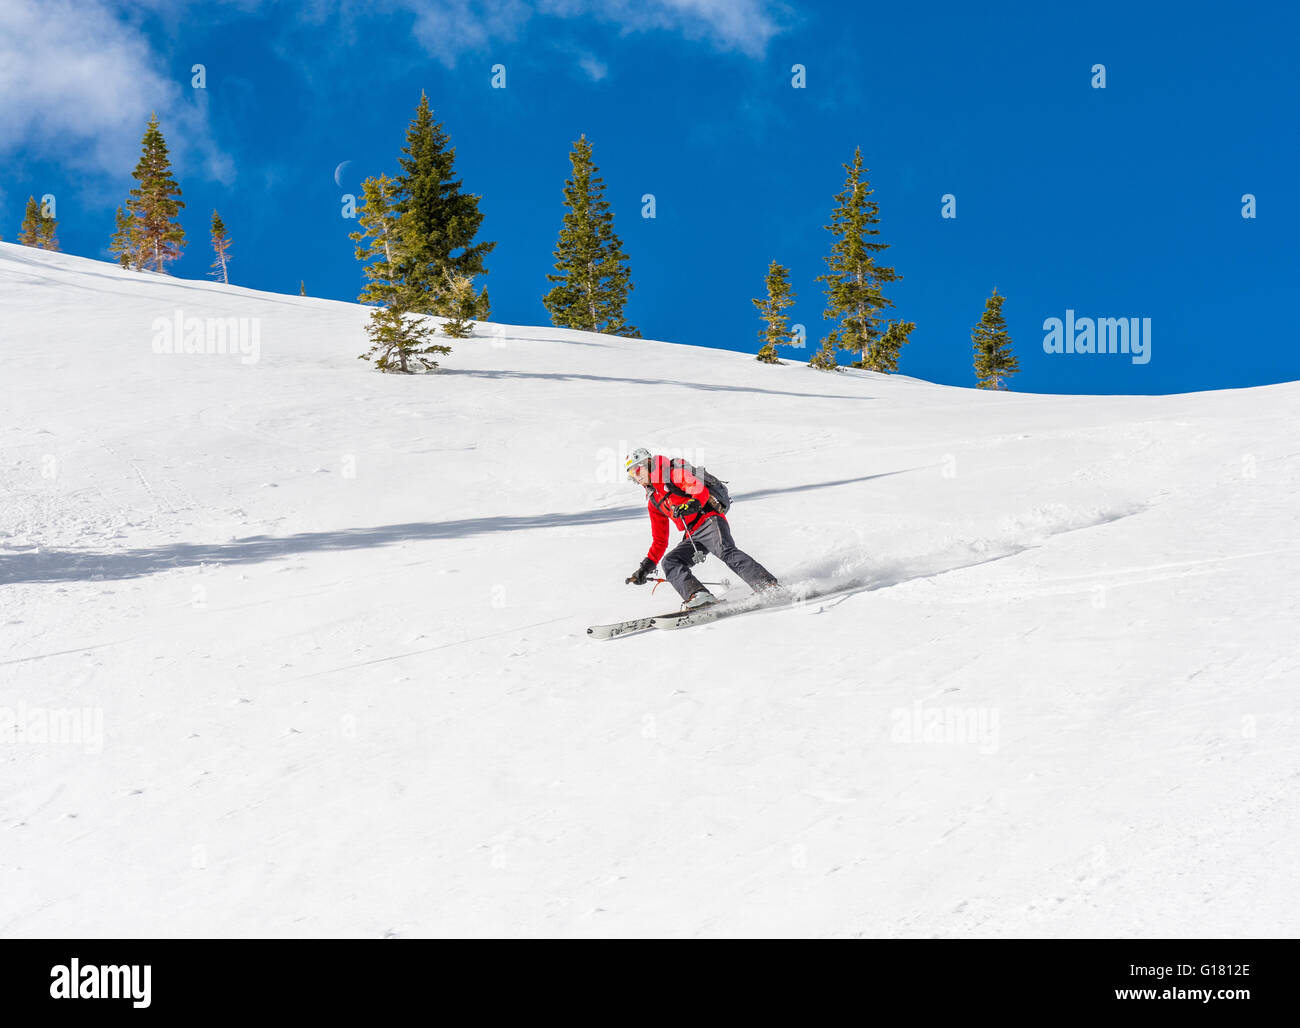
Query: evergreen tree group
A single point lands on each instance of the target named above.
(854, 280)
(437, 221)
(38, 229)
(417, 241)
(416, 237)
(855, 299)
(592, 279)
(146, 232)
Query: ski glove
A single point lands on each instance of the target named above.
(640, 574)
(685, 510)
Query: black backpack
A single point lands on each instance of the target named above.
(719, 494)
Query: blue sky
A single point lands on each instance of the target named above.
(1116, 202)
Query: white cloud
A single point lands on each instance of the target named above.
(79, 78)
(449, 28)
(746, 26)
(78, 83)
(593, 66)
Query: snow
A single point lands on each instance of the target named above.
(331, 625)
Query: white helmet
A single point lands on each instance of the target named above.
(638, 457)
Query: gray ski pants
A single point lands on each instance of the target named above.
(714, 536)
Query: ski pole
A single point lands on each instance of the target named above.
(724, 584)
(691, 537)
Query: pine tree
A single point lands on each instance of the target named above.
(824, 358)
(38, 229)
(853, 284)
(772, 310)
(126, 239)
(155, 202)
(435, 218)
(994, 359)
(221, 246)
(378, 239)
(401, 336)
(593, 278)
(399, 333)
(49, 241)
(886, 351)
(30, 233)
(460, 305)
(46, 226)
(302, 287)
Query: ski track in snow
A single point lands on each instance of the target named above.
(333, 625)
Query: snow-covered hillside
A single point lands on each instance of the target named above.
(289, 647)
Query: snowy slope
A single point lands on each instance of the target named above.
(333, 626)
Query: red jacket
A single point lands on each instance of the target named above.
(670, 486)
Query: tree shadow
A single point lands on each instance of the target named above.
(475, 333)
(110, 565)
(564, 376)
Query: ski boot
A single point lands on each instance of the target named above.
(699, 598)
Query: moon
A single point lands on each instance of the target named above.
(339, 171)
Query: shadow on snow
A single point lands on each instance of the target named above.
(92, 565)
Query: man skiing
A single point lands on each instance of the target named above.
(674, 494)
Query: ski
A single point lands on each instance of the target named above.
(703, 616)
(717, 611)
(618, 628)
(613, 631)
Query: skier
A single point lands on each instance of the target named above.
(674, 493)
